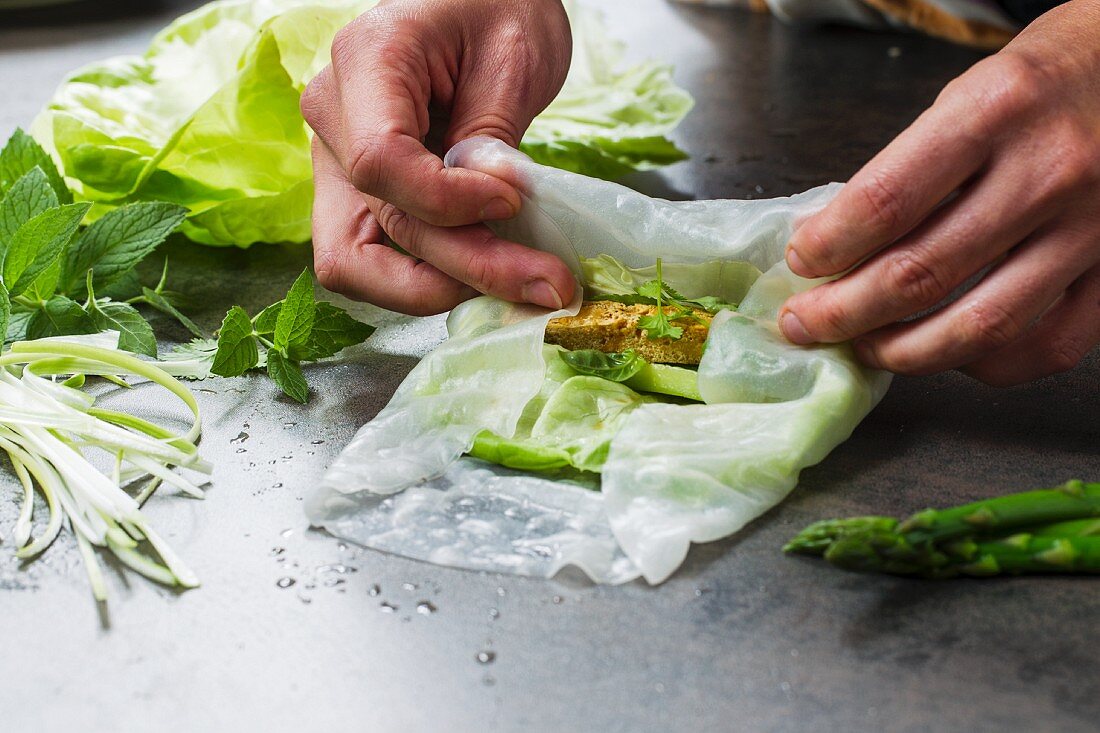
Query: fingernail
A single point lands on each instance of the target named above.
(497, 209)
(793, 329)
(865, 352)
(542, 293)
(798, 267)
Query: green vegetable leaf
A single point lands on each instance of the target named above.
(111, 246)
(59, 316)
(163, 305)
(288, 375)
(27, 198)
(17, 323)
(20, 156)
(5, 310)
(135, 333)
(38, 243)
(333, 331)
(265, 321)
(616, 367)
(237, 348)
(295, 319)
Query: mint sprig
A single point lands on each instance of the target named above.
(285, 334)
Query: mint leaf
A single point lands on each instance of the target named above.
(60, 316)
(17, 323)
(21, 155)
(134, 332)
(126, 287)
(27, 198)
(44, 286)
(237, 350)
(112, 245)
(163, 305)
(288, 375)
(5, 310)
(264, 323)
(616, 367)
(295, 318)
(38, 243)
(333, 330)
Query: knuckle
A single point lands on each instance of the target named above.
(989, 326)
(398, 224)
(1011, 86)
(884, 201)
(481, 269)
(314, 101)
(1064, 352)
(912, 283)
(332, 271)
(367, 155)
(833, 320)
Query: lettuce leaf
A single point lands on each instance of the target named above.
(208, 117)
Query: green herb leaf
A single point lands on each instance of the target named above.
(38, 243)
(135, 333)
(264, 323)
(295, 320)
(163, 305)
(59, 316)
(45, 285)
(616, 367)
(288, 375)
(27, 198)
(20, 156)
(237, 349)
(17, 323)
(111, 246)
(126, 287)
(333, 331)
(5, 309)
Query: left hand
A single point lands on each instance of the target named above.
(1003, 171)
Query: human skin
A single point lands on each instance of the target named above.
(1002, 171)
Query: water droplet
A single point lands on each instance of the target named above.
(338, 568)
(426, 608)
(488, 680)
(486, 657)
(285, 582)
(794, 652)
(277, 485)
(410, 587)
(288, 424)
(374, 590)
(286, 533)
(387, 607)
(316, 442)
(333, 582)
(700, 591)
(501, 592)
(659, 688)
(241, 437)
(493, 614)
(893, 52)
(242, 450)
(557, 600)
(341, 546)
(276, 551)
(305, 599)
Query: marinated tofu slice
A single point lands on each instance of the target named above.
(609, 327)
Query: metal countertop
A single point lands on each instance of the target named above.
(741, 638)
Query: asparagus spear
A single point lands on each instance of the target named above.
(1071, 500)
(816, 538)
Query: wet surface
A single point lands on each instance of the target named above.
(294, 629)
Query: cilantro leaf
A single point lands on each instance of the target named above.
(237, 348)
(59, 316)
(27, 198)
(333, 331)
(22, 154)
(163, 305)
(135, 333)
(288, 375)
(38, 243)
(295, 320)
(112, 245)
(658, 326)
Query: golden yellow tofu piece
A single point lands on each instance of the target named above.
(608, 326)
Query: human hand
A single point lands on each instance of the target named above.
(1003, 171)
(409, 79)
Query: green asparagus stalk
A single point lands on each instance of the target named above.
(1071, 500)
(815, 539)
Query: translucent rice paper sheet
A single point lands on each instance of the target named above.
(675, 474)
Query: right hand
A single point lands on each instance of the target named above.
(408, 80)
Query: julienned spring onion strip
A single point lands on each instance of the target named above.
(47, 427)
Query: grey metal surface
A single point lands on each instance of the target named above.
(741, 638)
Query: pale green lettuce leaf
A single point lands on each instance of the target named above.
(208, 117)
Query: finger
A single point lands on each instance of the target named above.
(890, 195)
(370, 107)
(1057, 343)
(474, 255)
(989, 317)
(350, 258)
(921, 269)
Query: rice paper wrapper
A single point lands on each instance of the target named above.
(675, 474)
